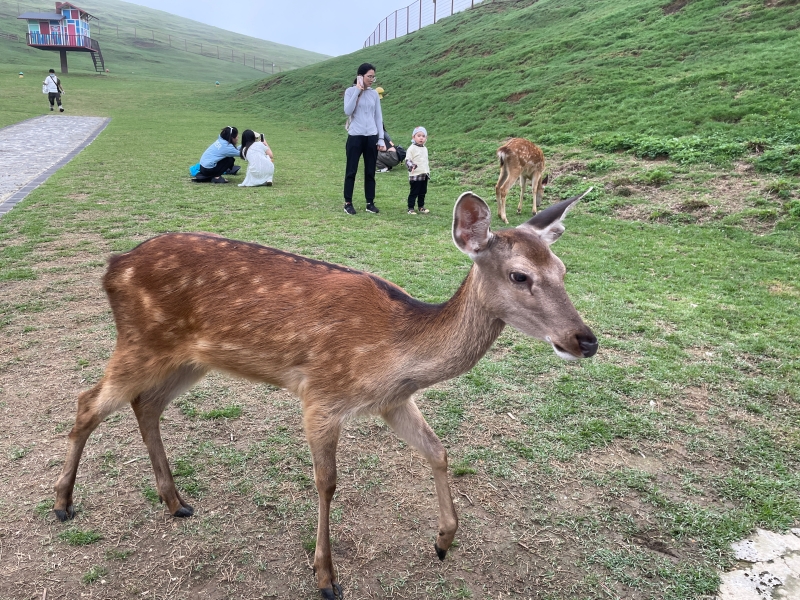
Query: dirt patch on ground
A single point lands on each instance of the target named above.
(516, 97)
(675, 6)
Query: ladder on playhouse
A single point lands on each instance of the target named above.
(97, 59)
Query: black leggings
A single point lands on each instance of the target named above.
(418, 190)
(358, 145)
(218, 169)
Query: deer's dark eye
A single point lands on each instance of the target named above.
(517, 277)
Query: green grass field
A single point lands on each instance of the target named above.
(624, 476)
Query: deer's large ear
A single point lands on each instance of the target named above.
(471, 217)
(548, 223)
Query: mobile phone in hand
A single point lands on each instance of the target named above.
(360, 79)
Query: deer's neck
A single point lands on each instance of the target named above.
(452, 337)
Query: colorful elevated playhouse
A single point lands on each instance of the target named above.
(65, 30)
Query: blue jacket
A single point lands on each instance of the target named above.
(216, 152)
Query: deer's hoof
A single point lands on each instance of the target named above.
(439, 552)
(332, 593)
(65, 515)
(183, 512)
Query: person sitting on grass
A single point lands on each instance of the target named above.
(218, 159)
(390, 157)
(258, 155)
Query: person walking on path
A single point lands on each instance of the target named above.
(419, 171)
(54, 90)
(364, 126)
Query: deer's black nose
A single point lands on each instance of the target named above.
(588, 344)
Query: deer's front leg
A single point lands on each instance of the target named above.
(323, 436)
(409, 424)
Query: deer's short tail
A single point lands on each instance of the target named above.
(501, 154)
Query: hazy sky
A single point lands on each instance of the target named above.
(328, 27)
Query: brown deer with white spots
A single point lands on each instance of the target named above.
(347, 343)
(524, 161)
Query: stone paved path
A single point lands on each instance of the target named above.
(769, 568)
(32, 150)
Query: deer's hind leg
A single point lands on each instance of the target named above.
(148, 407)
(501, 191)
(94, 405)
(522, 182)
(408, 423)
(120, 385)
(122, 382)
(538, 190)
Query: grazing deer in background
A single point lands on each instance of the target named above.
(347, 343)
(523, 160)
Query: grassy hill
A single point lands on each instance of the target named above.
(627, 475)
(692, 80)
(149, 51)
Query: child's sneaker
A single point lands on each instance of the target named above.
(411, 211)
(424, 210)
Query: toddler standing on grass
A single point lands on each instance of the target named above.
(418, 170)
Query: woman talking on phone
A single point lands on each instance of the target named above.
(362, 105)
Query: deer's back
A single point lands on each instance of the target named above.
(256, 311)
(522, 154)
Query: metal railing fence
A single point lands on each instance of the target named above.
(414, 17)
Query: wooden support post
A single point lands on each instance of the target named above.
(64, 69)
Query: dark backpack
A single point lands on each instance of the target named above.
(401, 153)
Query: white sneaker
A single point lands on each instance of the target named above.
(60, 109)
(383, 170)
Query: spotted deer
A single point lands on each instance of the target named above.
(346, 342)
(524, 161)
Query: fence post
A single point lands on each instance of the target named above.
(408, 11)
(217, 52)
(395, 24)
(420, 15)
(117, 26)
(434, 12)
(134, 32)
(170, 40)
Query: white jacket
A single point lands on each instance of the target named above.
(51, 81)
